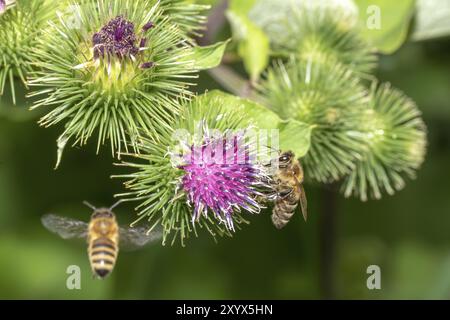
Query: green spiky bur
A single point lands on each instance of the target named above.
(396, 138)
(331, 100)
(187, 15)
(325, 36)
(20, 27)
(378, 144)
(112, 98)
(155, 180)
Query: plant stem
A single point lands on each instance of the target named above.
(216, 20)
(328, 245)
(224, 75)
(230, 80)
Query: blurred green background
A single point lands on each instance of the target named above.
(407, 235)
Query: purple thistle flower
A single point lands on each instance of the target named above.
(116, 38)
(222, 177)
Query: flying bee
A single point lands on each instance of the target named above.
(289, 191)
(102, 234)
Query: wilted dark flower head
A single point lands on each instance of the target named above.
(222, 176)
(117, 38)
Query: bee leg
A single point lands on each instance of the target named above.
(266, 180)
(272, 196)
(285, 193)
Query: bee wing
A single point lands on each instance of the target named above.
(303, 202)
(133, 238)
(66, 228)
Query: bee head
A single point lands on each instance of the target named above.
(102, 213)
(285, 158)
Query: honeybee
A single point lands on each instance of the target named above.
(289, 191)
(102, 234)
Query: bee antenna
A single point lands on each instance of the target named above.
(89, 205)
(277, 150)
(116, 204)
(272, 148)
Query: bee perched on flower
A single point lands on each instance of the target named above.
(113, 68)
(203, 173)
(331, 100)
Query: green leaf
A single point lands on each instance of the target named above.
(295, 136)
(208, 57)
(385, 23)
(259, 115)
(253, 47)
(431, 23)
(255, 51)
(237, 24)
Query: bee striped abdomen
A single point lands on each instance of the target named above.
(284, 209)
(282, 213)
(102, 255)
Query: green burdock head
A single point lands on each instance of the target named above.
(332, 100)
(396, 136)
(21, 24)
(204, 173)
(323, 34)
(114, 69)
